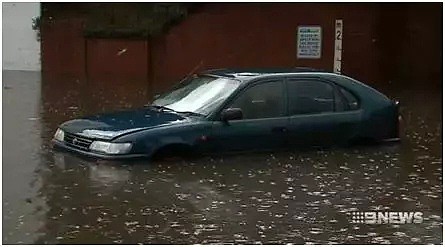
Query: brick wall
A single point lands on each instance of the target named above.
(264, 35)
(63, 47)
(395, 42)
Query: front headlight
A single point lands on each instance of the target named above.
(59, 135)
(110, 148)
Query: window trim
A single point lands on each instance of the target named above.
(359, 103)
(249, 85)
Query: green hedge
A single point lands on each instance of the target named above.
(120, 20)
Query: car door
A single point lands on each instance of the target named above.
(264, 122)
(319, 115)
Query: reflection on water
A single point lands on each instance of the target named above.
(289, 197)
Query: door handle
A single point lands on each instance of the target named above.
(279, 129)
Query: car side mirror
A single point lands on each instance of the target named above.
(231, 114)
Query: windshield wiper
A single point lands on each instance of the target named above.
(161, 107)
(191, 113)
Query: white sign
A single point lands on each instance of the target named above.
(338, 45)
(309, 42)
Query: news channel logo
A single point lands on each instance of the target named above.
(385, 217)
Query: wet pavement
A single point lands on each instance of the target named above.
(271, 198)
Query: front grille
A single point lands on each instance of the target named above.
(77, 141)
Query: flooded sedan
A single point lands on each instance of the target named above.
(298, 197)
(224, 110)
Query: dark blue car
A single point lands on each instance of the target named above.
(239, 110)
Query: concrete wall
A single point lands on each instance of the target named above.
(21, 49)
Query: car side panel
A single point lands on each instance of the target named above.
(380, 114)
(326, 129)
(382, 123)
(249, 135)
(193, 135)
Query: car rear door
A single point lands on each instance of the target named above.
(319, 114)
(264, 123)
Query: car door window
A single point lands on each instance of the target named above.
(310, 97)
(263, 100)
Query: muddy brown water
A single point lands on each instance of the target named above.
(288, 197)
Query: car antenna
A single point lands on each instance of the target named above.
(185, 78)
(192, 72)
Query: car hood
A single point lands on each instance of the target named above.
(111, 125)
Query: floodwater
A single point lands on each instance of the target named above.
(270, 198)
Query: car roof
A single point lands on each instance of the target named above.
(253, 73)
(247, 75)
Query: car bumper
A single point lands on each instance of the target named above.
(58, 145)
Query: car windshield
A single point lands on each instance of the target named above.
(201, 94)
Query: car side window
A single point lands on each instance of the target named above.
(310, 97)
(351, 101)
(263, 100)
